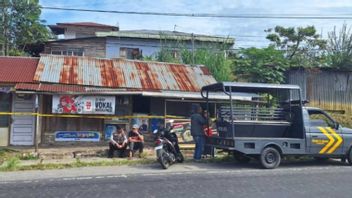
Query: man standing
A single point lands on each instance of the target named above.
(118, 141)
(136, 141)
(197, 131)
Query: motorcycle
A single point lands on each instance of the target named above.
(166, 147)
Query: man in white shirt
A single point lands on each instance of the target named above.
(118, 141)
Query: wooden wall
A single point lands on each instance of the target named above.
(94, 47)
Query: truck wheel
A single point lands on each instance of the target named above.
(270, 158)
(349, 156)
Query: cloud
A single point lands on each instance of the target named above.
(250, 32)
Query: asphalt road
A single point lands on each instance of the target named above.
(294, 179)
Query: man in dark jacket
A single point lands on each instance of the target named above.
(197, 131)
(136, 141)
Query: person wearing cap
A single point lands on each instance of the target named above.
(197, 131)
(118, 141)
(136, 141)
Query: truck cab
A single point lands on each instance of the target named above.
(272, 122)
(325, 137)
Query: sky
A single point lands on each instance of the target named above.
(247, 32)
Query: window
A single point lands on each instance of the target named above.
(4, 107)
(130, 53)
(68, 52)
(320, 118)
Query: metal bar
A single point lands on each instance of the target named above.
(232, 125)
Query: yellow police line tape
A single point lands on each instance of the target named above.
(87, 116)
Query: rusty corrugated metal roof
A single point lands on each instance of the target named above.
(121, 73)
(17, 69)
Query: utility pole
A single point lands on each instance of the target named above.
(192, 49)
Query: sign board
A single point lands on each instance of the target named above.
(70, 104)
(77, 136)
(5, 89)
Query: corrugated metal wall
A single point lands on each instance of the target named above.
(331, 90)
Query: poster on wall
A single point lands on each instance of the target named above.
(141, 122)
(70, 104)
(77, 136)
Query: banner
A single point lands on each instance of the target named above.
(5, 89)
(77, 136)
(70, 104)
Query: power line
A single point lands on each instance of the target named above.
(206, 15)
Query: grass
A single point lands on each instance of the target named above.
(6, 154)
(11, 164)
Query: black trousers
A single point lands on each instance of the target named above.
(134, 146)
(121, 152)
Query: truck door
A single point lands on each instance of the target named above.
(323, 137)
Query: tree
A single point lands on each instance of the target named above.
(20, 25)
(265, 65)
(302, 45)
(339, 48)
(213, 56)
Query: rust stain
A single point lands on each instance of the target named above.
(133, 77)
(73, 72)
(147, 76)
(64, 73)
(183, 80)
(39, 71)
(118, 74)
(205, 71)
(102, 72)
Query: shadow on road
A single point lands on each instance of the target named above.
(252, 165)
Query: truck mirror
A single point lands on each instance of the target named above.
(337, 125)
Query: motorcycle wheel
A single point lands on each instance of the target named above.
(163, 159)
(180, 158)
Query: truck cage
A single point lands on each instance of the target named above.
(256, 119)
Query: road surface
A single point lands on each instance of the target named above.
(292, 179)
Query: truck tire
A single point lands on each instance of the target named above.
(270, 158)
(349, 157)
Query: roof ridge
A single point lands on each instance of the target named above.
(128, 60)
(28, 57)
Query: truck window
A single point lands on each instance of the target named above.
(320, 119)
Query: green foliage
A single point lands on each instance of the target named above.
(10, 164)
(266, 65)
(302, 45)
(213, 56)
(339, 48)
(20, 26)
(215, 61)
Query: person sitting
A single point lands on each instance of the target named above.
(118, 141)
(136, 141)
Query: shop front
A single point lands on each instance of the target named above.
(82, 119)
(5, 106)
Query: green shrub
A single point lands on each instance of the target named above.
(11, 164)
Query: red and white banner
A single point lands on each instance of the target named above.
(70, 104)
